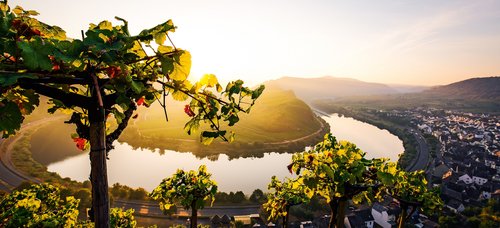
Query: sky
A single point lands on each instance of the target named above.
(423, 42)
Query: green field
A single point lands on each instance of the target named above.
(278, 115)
(277, 119)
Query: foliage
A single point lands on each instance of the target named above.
(285, 194)
(338, 171)
(38, 206)
(487, 216)
(335, 169)
(39, 59)
(257, 196)
(191, 189)
(120, 218)
(409, 188)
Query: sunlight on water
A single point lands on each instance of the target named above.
(144, 168)
(374, 141)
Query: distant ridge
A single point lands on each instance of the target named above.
(487, 88)
(328, 87)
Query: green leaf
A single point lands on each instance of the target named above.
(7, 79)
(11, 118)
(36, 53)
(256, 93)
(137, 87)
(233, 119)
(327, 170)
(167, 65)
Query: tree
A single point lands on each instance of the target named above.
(191, 189)
(103, 77)
(410, 189)
(38, 206)
(257, 196)
(283, 196)
(336, 171)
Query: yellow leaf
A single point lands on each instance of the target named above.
(77, 63)
(167, 206)
(179, 96)
(33, 13)
(4, 7)
(105, 25)
(18, 10)
(103, 37)
(137, 49)
(160, 38)
(341, 152)
(182, 68)
(165, 49)
(209, 80)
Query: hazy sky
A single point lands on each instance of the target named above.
(423, 42)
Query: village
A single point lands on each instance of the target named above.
(467, 164)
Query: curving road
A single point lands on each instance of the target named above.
(10, 177)
(420, 162)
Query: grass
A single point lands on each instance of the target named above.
(278, 115)
(277, 119)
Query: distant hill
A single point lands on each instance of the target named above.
(474, 88)
(479, 95)
(408, 88)
(309, 89)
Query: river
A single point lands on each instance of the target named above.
(145, 168)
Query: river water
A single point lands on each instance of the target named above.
(145, 168)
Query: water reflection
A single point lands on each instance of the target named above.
(142, 168)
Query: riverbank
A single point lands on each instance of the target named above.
(415, 155)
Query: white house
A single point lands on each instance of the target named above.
(455, 205)
(466, 179)
(479, 180)
(381, 217)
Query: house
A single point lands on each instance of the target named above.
(479, 178)
(455, 205)
(466, 178)
(382, 217)
(359, 218)
(441, 171)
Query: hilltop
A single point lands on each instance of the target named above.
(475, 88)
(309, 89)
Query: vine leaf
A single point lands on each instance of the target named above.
(36, 54)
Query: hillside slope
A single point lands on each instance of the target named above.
(474, 88)
(278, 122)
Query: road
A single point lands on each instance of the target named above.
(10, 177)
(152, 209)
(420, 163)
